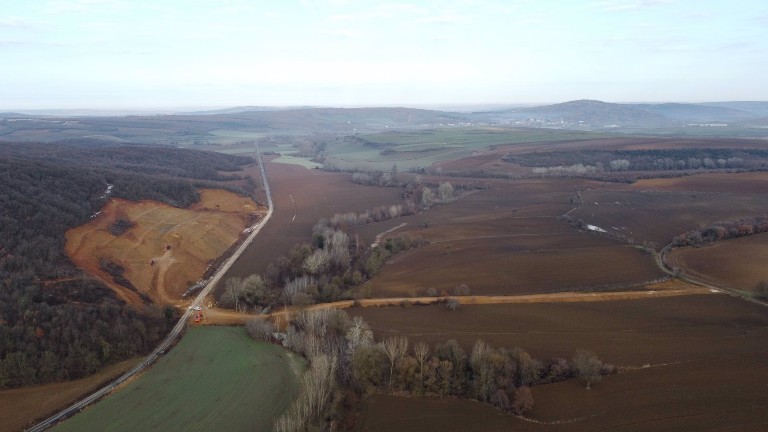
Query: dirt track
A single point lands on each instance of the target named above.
(228, 317)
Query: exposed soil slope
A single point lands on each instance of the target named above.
(167, 248)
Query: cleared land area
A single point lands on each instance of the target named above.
(167, 249)
(693, 362)
(18, 407)
(216, 378)
(737, 263)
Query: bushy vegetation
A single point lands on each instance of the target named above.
(55, 322)
(327, 269)
(582, 161)
(722, 231)
(344, 355)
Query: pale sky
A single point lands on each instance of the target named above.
(207, 53)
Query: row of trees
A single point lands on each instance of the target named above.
(643, 160)
(722, 231)
(343, 347)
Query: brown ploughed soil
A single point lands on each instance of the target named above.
(507, 240)
(691, 363)
(738, 183)
(18, 406)
(738, 263)
(659, 216)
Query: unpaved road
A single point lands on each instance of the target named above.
(229, 317)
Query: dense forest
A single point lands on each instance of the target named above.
(56, 322)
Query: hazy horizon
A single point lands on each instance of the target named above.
(121, 55)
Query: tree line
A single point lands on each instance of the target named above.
(723, 230)
(347, 363)
(581, 161)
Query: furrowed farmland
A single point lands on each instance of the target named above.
(735, 263)
(216, 378)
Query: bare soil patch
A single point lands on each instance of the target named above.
(737, 263)
(20, 407)
(507, 239)
(736, 183)
(622, 332)
(692, 363)
(383, 413)
(167, 249)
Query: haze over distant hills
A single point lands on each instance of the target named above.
(745, 119)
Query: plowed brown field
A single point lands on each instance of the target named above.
(168, 248)
(507, 240)
(737, 183)
(737, 263)
(693, 363)
(21, 406)
(659, 216)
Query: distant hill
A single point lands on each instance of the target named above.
(758, 109)
(588, 112)
(169, 129)
(597, 114)
(695, 112)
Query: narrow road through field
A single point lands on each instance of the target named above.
(227, 316)
(176, 331)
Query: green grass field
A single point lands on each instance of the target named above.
(216, 378)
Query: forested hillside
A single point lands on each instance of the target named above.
(55, 322)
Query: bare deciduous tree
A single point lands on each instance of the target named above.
(394, 348)
(586, 366)
(523, 400)
(421, 351)
(260, 329)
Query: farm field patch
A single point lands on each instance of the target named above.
(507, 239)
(628, 333)
(504, 266)
(658, 216)
(734, 183)
(422, 148)
(20, 407)
(666, 345)
(167, 249)
(384, 413)
(216, 378)
(736, 263)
